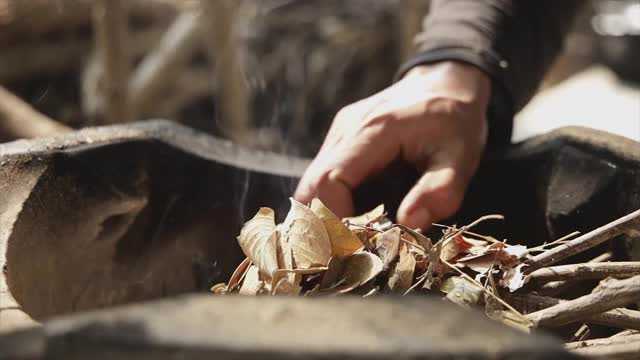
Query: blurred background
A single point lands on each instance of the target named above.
(270, 74)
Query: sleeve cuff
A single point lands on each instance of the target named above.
(500, 112)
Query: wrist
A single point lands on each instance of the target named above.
(462, 81)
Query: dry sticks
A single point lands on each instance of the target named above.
(622, 269)
(586, 241)
(617, 318)
(610, 294)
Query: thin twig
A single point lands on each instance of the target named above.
(586, 241)
(586, 271)
(19, 120)
(554, 288)
(561, 240)
(610, 294)
(498, 299)
(602, 341)
(618, 351)
(110, 18)
(620, 318)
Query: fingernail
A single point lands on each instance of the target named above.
(419, 218)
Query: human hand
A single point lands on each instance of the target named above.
(433, 118)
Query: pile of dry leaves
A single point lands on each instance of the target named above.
(314, 253)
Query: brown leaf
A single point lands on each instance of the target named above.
(285, 256)
(258, 241)
(346, 273)
(343, 241)
(238, 274)
(287, 281)
(367, 218)
(402, 274)
(251, 285)
(387, 245)
(307, 236)
(436, 267)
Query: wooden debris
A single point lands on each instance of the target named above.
(160, 67)
(586, 241)
(610, 294)
(19, 120)
(106, 78)
(620, 318)
(619, 351)
(602, 341)
(575, 272)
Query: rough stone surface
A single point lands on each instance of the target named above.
(120, 214)
(114, 215)
(199, 327)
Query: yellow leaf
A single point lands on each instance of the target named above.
(258, 241)
(402, 276)
(251, 285)
(343, 241)
(366, 218)
(219, 289)
(346, 273)
(307, 236)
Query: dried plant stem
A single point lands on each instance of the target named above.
(618, 318)
(554, 288)
(160, 67)
(617, 351)
(622, 269)
(479, 285)
(610, 294)
(110, 18)
(19, 120)
(602, 341)
(585, 241)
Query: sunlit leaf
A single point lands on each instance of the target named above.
(307, 236)
(258, 241)
(343, 241)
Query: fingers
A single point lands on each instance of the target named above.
(347, 158)
(438, 194)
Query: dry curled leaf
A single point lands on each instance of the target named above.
(346, 273)
(514, 278)
(258, 241)
(219, 289)
(251, 285)
(307, 236)
(343, 241)
(402, 274)
(367, 218)
(387, 245)
(238, 274)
